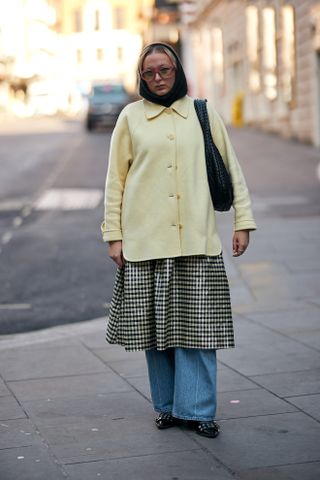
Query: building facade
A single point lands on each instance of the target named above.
(258, 62)
(51, 50)
(28, 47)
(101, 39)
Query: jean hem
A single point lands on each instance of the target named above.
(193, 418)
(161, 410)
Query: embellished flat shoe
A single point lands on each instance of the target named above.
(207, 429)
(165, 420)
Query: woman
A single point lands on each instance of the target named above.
(171, 295)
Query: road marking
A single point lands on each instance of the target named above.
(6, 237)
(69, 199)
(17, 221)
(26, 210)
(15, 306)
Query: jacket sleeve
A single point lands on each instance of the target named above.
(120, 158)
(243, 217)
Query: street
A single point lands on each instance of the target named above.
(54, 267)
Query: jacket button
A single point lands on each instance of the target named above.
(180, 226)
(171, 136)
(168, 111)
(178, 196)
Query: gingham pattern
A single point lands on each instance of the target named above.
(171, 302)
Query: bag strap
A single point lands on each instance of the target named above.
(202, 113)
(209, 145)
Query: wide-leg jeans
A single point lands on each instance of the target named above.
(183, 382)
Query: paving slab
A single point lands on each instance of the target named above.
(303, 286)
(308, 403)
(291, 321)
(70, 410)
(264, 441)
(278, 305)
(269, 473)
(302, 264)
(304, 471)
(10, 408)
(250, 403)
(112, 353)
(190, 465)
(136, 367)
(315, 301)
(291, 383)
(310, 338)
(3, 389)
(231, 381)
(97, 339)
(48, 361)
(142, 385)
(261, 351)
(240, 294)
(103, 438)
(69, 386)
(29, 463)
(302, 325)
(18, 433)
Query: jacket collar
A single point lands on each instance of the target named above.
(180, 106)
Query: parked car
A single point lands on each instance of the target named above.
(105, 102)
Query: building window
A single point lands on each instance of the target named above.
(99, 54)
(77, 21)
(97, 20)
(217, 59)
(120, 54)
(252, 27)
(288, 52)
(119, 18)
(79, 55)
(269, 53)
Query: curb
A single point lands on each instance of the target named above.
(51, 334)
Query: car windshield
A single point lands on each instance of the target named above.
(110, 91)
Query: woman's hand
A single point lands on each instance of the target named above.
(240, 242)
(115, 252)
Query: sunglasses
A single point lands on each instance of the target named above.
(164, 73)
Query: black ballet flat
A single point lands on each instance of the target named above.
(206, 429)
(165, 420)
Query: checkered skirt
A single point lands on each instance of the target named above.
(171, 302)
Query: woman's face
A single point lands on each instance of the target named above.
(157, 63)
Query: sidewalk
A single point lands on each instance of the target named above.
(74, 407)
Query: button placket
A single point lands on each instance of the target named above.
(172, 170)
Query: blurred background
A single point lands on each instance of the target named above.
(266, 52)
(67, 67)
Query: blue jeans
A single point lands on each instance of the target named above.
(183, 382)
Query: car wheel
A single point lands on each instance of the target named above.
(89, 125)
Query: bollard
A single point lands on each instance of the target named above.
(237, 110)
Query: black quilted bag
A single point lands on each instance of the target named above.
(219, 180)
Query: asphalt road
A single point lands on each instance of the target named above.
(54, 268)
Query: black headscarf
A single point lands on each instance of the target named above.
(179, 89)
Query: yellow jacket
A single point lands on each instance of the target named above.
(157, 197)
